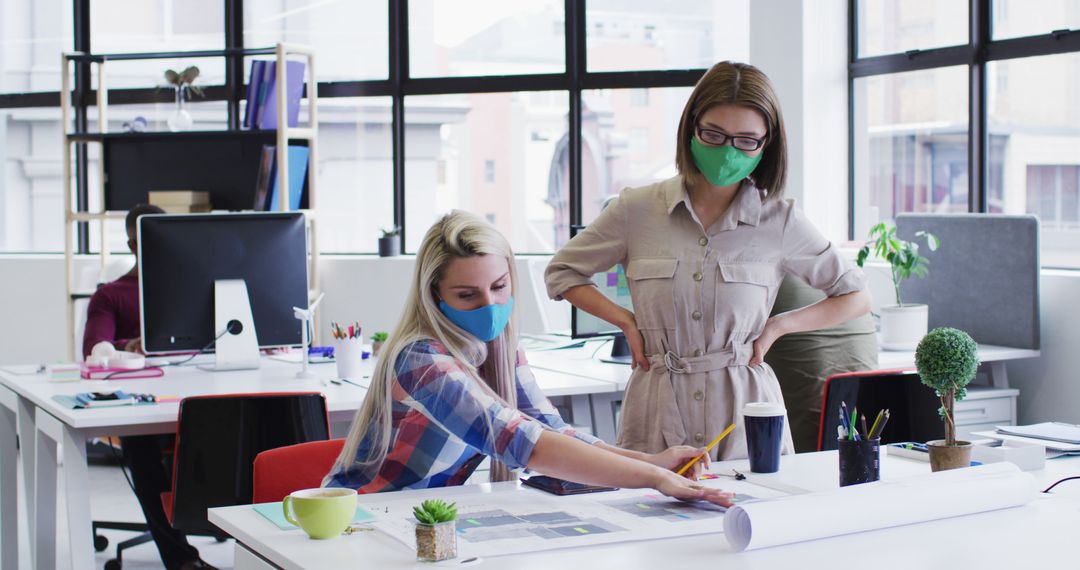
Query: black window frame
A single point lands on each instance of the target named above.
(980, 50)
(398, 85)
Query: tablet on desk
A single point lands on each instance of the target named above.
(563, 487)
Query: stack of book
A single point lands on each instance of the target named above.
(267, 183)
(180, 201)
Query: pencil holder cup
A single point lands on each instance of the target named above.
(860, 460)
(349, 355)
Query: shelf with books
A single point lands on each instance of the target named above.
(282, 108)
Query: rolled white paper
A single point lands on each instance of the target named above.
(878, 505)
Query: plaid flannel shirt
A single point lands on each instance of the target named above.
(444, 423)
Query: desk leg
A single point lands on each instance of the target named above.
(580, 411)
(9, 475)
(77, 498)
(27, 449)
(998, 372)
(603, 413)
(51, 432)
(43, 504)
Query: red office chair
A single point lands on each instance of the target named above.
(281, 471)
(912, 406)
(217, 440)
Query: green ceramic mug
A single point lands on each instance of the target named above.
(322, 513)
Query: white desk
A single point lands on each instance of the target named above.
(993, 359)
(978, 411)
(1036, 535)
(26, 404)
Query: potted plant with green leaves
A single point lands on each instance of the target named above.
(377, 341)
(902, 325)
(436, 532)
(390, 243)
(947, 360)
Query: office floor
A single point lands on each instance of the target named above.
(113, 500)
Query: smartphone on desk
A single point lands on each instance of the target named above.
(562, 486)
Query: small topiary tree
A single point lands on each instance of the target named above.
(947, 360)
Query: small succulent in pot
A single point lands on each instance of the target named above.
(436, 532)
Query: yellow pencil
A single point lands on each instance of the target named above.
(707, 450)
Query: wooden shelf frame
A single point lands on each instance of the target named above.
(284, 133)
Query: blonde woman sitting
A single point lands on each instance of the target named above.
(451, 387)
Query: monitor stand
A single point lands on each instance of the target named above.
(238, 347)
(620, 351)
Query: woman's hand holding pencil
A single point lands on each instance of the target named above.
(676, 456)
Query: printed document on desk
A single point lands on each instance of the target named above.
(532, 521)
(1048, 431)
(1050, 445)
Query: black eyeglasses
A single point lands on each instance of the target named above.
(717, 138)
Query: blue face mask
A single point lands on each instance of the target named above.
(485, 323)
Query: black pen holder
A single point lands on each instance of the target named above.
(860, 461)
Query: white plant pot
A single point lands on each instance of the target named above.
(903, 326)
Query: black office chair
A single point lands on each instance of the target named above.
(912, 406)
(217, 440)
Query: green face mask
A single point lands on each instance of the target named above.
(723, 165)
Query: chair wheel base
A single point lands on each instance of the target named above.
(100, 543)
(113, 564)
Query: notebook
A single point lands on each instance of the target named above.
(1050, 431)
(273, 513)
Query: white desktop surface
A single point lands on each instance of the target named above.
(1039, 534)
(901, 359)
(27, 405)
(585, 361)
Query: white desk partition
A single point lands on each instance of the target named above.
(1036, 535)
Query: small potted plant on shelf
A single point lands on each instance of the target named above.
(182, 82)
(947, 360)
(389, 243)
(377, 341)
(436, 532)
(902, 325)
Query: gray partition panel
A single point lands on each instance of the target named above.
(984, 279)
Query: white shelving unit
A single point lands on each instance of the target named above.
(284, 134)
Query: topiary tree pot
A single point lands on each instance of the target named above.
(944, 457)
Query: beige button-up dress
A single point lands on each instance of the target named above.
(701, 296)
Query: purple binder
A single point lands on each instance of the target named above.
(294, 89)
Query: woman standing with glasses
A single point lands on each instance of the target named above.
(705, 253)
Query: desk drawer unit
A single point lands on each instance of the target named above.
(985, 410)
(981, 409)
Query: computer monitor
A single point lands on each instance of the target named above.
(231, 278)
(612, 283)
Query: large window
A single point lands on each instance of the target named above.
(32, 35)
(528, 113)
(945, 122)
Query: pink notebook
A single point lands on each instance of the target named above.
(99, 373)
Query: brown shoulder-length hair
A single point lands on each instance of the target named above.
(730, 83)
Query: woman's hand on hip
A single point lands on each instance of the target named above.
(764, 342)
(637, 344)
(674, 457)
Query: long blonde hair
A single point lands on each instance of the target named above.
(457, 234)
